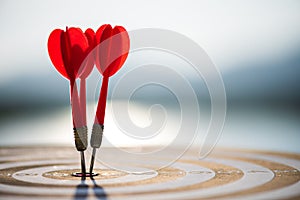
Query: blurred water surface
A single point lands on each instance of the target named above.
(263, 128)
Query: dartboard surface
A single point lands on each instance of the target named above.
(45, 173)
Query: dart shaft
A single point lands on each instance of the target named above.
(76, 110)
(100, 114)
(83, 100)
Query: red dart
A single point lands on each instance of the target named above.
(111, 53)
(67, 50)
(88, 67)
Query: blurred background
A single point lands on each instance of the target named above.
(254, 44)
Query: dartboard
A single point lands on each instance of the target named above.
(46, 173)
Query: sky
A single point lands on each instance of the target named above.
(231, 32)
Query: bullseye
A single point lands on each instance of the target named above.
(88, 174)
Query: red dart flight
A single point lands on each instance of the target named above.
(112, 51)
(67, 50)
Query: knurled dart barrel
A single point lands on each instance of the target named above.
(96, 137)
(80, 136)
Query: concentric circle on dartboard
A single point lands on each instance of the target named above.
(225, 174)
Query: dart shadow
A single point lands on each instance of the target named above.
(82, 190)
(98, 190)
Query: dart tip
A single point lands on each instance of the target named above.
(83, 172)
(92, 160)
